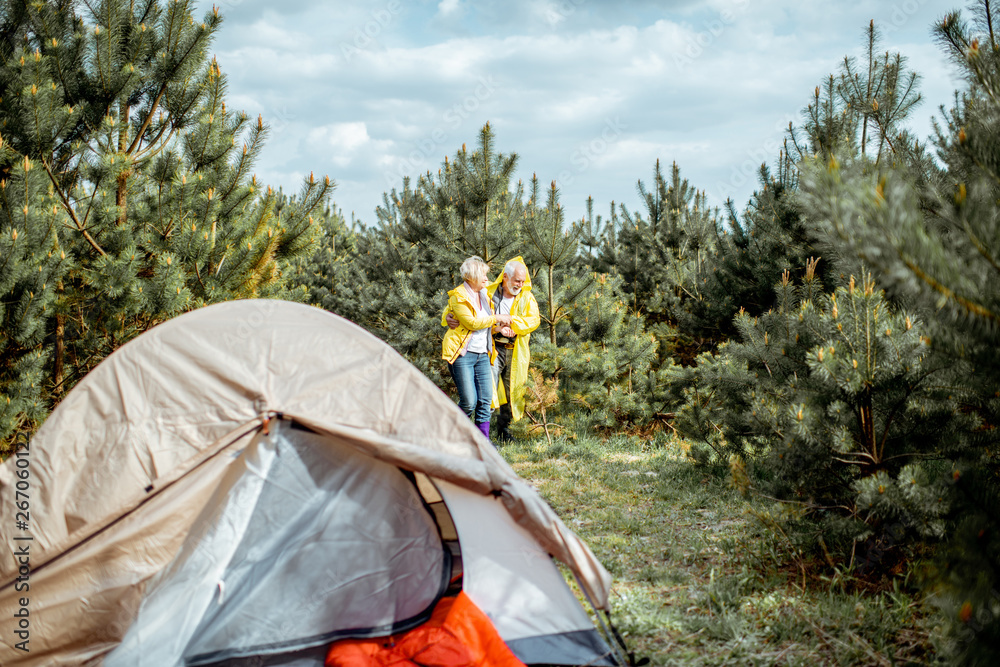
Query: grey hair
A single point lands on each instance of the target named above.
(474, 268)
(512, 266)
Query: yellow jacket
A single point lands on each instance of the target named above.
(455, 340)
(525, 319)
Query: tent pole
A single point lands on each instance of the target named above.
(621, 653)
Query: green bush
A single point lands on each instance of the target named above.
(831, 397)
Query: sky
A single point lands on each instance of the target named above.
(587, 93)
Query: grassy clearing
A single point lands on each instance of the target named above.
(698, 580)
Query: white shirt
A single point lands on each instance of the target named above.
(505, 303)
(479, 341)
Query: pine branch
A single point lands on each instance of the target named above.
(938, 287)
(69, 209)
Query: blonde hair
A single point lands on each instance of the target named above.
(474, 268)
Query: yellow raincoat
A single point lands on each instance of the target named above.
(526, 319)
(455, 341)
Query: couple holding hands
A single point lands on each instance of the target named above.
(486, 345)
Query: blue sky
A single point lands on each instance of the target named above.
(587, 93)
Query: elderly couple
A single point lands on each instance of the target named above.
(486, 345)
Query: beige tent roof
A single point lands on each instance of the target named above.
(170, 402)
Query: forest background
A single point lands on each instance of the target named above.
(832, 347)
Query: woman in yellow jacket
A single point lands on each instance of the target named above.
(468, 348)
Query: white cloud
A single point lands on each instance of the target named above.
(709, 84)
(583, 106)
(448, 7)
(340, 136)
(267, 30)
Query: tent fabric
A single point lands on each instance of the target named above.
(82, 603)
(125, 467)
(510, 577)
(508, 574)
(343, 536)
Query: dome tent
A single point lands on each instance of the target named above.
(250, 481)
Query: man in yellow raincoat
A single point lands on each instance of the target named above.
(510, 294)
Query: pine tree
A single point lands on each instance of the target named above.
(770, 237)
(468, 208)
(829, 126)
(599, 238)
(605, 361)
(115, 130)
(330, 273)
(935, 242)
(863, 106)
(844, 436)
(658, 252)
(551, 244)
(881, 94)
(32, 264)
(832, 394)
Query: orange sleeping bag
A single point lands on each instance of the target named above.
(458, 634)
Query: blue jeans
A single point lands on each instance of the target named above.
(474, 381)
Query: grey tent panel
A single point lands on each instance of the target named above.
(568, 648)
(312, 541)
(311, 657)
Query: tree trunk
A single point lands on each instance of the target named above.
(989, 24)
(486, 223)
(121, 197)
(545, 426)
(121, 194)
(59, 357)
(866, 419)
(552, 309)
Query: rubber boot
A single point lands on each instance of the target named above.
(485, 428)
(503, 434)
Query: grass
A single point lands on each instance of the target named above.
(698, 580)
